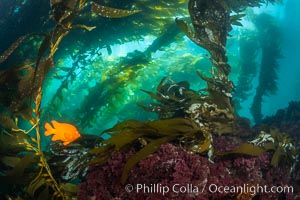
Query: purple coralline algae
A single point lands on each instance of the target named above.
(174, 173)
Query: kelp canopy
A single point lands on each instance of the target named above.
(186, 117)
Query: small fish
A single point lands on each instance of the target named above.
(67, 133)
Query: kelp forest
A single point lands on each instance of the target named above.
(99, 95)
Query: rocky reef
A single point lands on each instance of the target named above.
(197, 177)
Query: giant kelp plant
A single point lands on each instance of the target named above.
(188, 119)
(270, 42)
(248, 65)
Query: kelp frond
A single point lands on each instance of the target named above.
(108, 12)
(210, 110)
(284, 151)
(23, 142)
(12, 48)
(147, 137)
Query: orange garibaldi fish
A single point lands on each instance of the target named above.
(67, 133)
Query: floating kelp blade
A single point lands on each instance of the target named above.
(108, 12)
(13, 47)
(183, 26)
(88, 28)
(235, 19)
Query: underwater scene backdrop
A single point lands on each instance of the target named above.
(157, 99)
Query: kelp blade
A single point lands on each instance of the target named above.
(15, 175)
(108, 12)
(248, 149)
(13, 47)
(183, 26)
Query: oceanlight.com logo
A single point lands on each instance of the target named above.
(211, 188)
(250, 189)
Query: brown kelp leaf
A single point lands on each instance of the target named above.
(247, 148)
(236, 17)
(173, 126)
(17, 87)
(108, 12)
(206, 144)
(64, 10)
(10, 144)
(143, 153)
(197, 141)
(99, 160)
(13, 47)
(129, 124)
(154, 96)
(10, 160)
(285, 148)
(17, 172)
(25, 111)
(276, 156)
(7, 122)
(33, 187)
(236, 23)
(123, 138)
(88, 28)
(68, 187)
(182, 25)
(102, 149)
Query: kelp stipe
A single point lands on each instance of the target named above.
(44, 177)
(24, 157)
